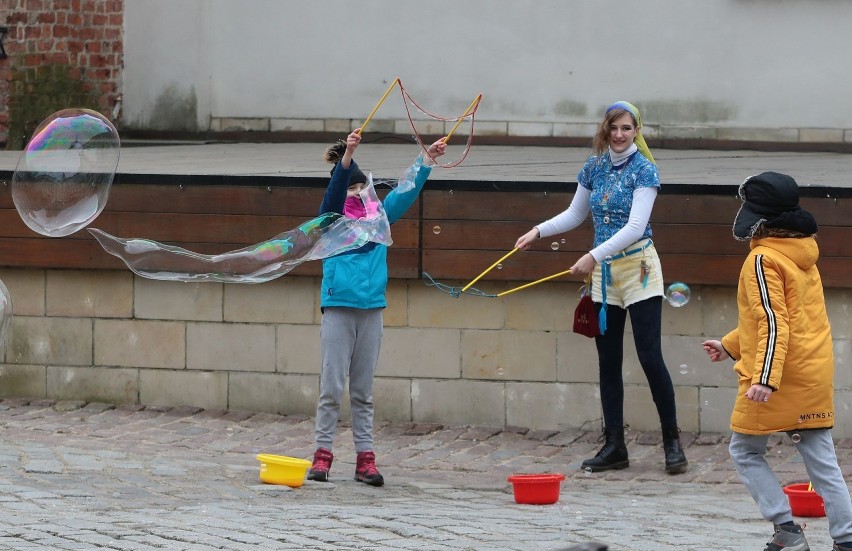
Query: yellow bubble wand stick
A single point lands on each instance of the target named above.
(467, 113)
(477, 278)
(542, 280)
(376, 108)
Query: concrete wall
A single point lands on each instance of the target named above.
(730, 69)
(114, 337)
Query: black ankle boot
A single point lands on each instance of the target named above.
(676, 462)
(613, 454)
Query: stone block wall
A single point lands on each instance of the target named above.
(111, 336)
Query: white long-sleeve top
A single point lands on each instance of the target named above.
(575, 214)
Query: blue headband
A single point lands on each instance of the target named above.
(630, 108)
(640, 140)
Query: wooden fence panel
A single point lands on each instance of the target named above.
(452, 235)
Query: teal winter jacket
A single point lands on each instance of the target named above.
(359, 278)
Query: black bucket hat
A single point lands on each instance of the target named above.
(771, 199)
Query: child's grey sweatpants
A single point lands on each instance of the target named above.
(816, 447)
(350, 339)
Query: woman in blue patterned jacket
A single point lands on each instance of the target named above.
(619, 184)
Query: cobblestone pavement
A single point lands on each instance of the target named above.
(93, 476)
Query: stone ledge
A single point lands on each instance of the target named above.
(532, 129)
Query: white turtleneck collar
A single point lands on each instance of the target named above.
(618, 159)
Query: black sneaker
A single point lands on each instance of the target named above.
(788, 537)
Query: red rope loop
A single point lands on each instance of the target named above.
(471, 112)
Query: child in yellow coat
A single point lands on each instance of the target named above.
(784, 359)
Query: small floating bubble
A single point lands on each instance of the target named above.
(554, 246)
(436, 230)
(678, 294)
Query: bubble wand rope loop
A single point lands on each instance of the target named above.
(477, 278)
(542, 280)
(376, 108)
(406, 97)
(455, 291)
(469, 111)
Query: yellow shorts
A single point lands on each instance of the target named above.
(628, 284)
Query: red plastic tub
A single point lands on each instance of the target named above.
(804, 502)
(536, 489)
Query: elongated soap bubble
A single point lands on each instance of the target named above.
(327, 235)
(63, 177)
(5, 311)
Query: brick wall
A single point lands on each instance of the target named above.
(61, 54)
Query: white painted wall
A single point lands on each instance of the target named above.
(723, 63)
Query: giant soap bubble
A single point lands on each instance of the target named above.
(64, 175)
(327, 235)
(5, 311)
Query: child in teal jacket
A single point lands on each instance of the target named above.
(353, 297)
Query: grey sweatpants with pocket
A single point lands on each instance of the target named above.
(350, 339)
(748, 452)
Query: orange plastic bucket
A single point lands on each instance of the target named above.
(536, 489)
(804, 502)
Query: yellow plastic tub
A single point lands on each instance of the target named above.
(280, 469)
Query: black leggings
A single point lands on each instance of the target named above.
(646, 319)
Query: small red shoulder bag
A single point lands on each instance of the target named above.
(585, 315)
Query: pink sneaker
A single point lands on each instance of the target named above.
(321, 465)
(366, 471)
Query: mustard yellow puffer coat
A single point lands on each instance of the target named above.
(782, 339)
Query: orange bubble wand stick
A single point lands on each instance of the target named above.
(477, 278)
(542, 280)
(467, 113)
(376, 108)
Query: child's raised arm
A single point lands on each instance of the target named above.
(352, 141)
(435, 150)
